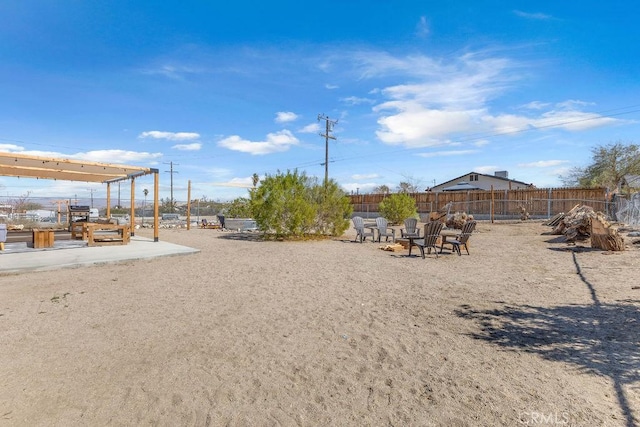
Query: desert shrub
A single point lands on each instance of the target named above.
(334, 209)
(239, 208)
(398, 207)
(294, 205)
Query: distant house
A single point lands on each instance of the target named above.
(630, 183)
(480, 181)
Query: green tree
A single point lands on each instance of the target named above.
(281, 205)
(239, 208)
(334, 208)
(397, 207)
(294, 205)
(610, 163)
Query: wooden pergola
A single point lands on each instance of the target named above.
(25, 166)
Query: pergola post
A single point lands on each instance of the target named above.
(132, 217)
(156, 204)
(108, 200)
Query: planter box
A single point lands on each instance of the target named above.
(240, 224)
(42, 238)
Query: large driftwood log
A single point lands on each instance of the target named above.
(604, 236)
(576, 224)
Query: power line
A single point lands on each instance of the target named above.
(171, 171)
(329, 124)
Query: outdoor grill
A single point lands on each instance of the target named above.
(79, 213)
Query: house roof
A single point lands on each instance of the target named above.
(632, 180)
(482, 174)
(26, 166)
(461, 186)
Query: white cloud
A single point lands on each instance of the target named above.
(11, 148)
(416, 126)
(359, 187)
(354, 100)
(446, 102)
(571, 104)
(188, 147)
(543, 164)
(174, 72)
(311, 128)
(171, 136)
(117, 156)
(275, 142)
(331, 86)
(487, 170)
(422, 29)
(536, 16)
(535, 105)
(573, 120)
(365, 176)
(447, 153)
(101, 156)
(507, 123)
(285, 117)
(245, 182)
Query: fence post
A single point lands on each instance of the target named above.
(505, 205)
(549, 204)
(492, 206)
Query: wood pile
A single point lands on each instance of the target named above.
(458, 219)
(393, 248)
(554, 220)
(576, 224)
(582, 223)
(441, 214)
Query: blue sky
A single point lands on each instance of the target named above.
(422, 91)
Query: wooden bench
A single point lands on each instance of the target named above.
(78, 230)
(107, 234)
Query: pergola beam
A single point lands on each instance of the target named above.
(27, 166)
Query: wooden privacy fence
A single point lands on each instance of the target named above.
(496, 204)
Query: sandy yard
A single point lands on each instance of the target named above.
(527, 330)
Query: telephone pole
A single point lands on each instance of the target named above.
(92, 190)
(329, 124)
(171, 171)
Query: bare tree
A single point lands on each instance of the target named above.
(410, 185)
(382, 189)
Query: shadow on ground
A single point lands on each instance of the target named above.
(246, 237)
(597, 338)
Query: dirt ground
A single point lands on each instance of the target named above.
(526, 330)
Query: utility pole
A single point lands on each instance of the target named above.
(92, 190)
(327, 136)
(171, 171)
